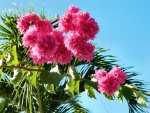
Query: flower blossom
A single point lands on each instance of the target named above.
(109, 82)
(81, 22)
(81, 49)
(27, 20)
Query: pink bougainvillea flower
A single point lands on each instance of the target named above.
(62, 55)
(25, 21)
(81, 49)
(119, 74)
(100, 74)
(44, 49)
(73, 9)
(109, 82)
(86, 25)
(30, 38)
(108, 85)
(80, 22)
(43, 26)
(58, 35)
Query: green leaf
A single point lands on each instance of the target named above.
(3, 104)
(50, 88)
(12, 59)
(72, 71)
(0, 74)
(110, 97)
(50, 77)
(32, 78)
(2, 28)
(120, 95)
(73, 86)
(17, 77)
(127, 92)
(140, 98)
(90, 90)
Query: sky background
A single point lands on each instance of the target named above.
(124, 29)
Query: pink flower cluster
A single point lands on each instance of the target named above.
(81, 28)
(48, 45)
(109, 82)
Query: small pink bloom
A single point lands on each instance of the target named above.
(58, 36)
(62, 55)
(43, 26)
(100, 74)
(73, 9)
(44, 49)
(81, 22)
(81, 49)
(25, 21)
(30, 38)
(108, 85)
(119, 74)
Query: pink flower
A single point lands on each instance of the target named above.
(58, 36)
(43, 26)
(86, 25)
(100, 74)
(73, 9)
(30, 38)
(62, 55)
(81, 22)
(109, 82)
(25, 21)
(119, 74)
(108, 85)
(81, 49)
(44, 49)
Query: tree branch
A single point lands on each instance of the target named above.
(21, 67)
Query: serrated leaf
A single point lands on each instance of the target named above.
(32, 78)
(13, 60)
(90, 90)
(50, 88)
(50, 78)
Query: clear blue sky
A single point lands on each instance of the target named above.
(125, 30)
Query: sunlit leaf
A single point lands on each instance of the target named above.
(13, 60)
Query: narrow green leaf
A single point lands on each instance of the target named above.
(2, 28)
